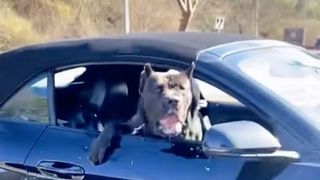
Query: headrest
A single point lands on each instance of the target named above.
(107, 97)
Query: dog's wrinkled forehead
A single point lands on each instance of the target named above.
(173, 77)
(173, 72)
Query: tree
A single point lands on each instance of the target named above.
(153, 17)
(243, 15)
(300, 7)
(187, 8)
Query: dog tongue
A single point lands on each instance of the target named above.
(169, 120)
(170, 125)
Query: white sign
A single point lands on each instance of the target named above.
(219, 23)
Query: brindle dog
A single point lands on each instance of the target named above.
(168, 108)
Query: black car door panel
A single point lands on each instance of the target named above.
(16, 141)
(71, 147)
(136, 158)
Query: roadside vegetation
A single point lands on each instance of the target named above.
(31, 21)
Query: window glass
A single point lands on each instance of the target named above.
(68, 89)
(214, 94)
(289, 73)
(65, 78)
(29, 104)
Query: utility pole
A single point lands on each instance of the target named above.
(256, 18)
(126, 17)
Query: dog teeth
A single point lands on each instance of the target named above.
(172, 130)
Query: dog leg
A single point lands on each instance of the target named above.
(102, 143)
(194, 132)
(111, 129)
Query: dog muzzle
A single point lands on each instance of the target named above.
(170, 125)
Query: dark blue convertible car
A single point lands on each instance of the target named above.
(261, 96)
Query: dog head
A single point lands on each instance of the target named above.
(167, 98)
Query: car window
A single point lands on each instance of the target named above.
(68, 90)
(30, 103)
(82, 98)
(213, 94)
(288, 73)
(64, 78)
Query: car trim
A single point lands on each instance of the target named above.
(7, 167)
(51, 97)
(251, 49)
(240, 46)
(128, 60)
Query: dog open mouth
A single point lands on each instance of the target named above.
(170, 125)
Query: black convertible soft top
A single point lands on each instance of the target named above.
(20, 64)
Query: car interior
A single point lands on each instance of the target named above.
(105, 92)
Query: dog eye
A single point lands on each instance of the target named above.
(182, 87)
(159, 89)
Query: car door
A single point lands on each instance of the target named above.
(23, 118)
(62, 152)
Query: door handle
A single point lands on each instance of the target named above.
(61, 170)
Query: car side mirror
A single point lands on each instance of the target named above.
(243, 139)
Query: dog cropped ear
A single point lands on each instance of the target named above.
(147, 71)
(189, 71)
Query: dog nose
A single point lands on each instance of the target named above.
(173, 102)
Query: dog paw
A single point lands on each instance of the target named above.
(192, 135)
(97, 153)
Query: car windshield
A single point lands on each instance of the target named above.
(289, 72)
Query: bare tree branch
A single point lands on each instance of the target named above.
(187, 10)
(183, 5)
(193, 5)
